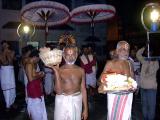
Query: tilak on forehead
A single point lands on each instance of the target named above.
(122, 44)
(70, 51)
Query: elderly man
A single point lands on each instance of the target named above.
(7, 74)
(119, 105)
(70, 88)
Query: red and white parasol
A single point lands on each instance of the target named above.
(92, 14)
(45, 13)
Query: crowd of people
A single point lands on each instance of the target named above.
(72, 81)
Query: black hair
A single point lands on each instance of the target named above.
(4, 41)
(84, 46)
(34, 53)
(27, 48)
(9, 45)
(51, 45)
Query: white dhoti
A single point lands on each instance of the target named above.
(48, 82)
(8, 84)
(119, 106)
(9, 96)
(91, 79)
(68, 107)
(36, 108)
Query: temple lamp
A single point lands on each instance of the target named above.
(25, 31)
(150, 18)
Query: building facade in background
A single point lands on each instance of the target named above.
(10, 13)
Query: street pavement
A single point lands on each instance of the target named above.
(98, 108)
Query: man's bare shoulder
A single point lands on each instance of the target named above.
(28, 65)
(124, 61)
(115, 61)
(121, 63)
(78, 67)
(81, 69)
(69, 66)
(111, 62)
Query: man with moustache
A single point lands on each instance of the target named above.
(119, 105)
(70, 88)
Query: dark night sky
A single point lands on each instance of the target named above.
(130, 12)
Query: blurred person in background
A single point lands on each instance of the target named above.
(88, 63)
(8, 85)
(148, 83)
(49, 78)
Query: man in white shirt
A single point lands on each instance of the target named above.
(148, 85)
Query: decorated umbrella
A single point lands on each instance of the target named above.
(92, 14)
(45, 13)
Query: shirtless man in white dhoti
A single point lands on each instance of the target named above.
(35, 101)
(8, 86)
(70, 88)
(119, 106)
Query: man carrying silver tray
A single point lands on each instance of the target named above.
(118, 69)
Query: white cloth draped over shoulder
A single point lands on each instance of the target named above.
(91, 77)
(85, 61)
(68, 107)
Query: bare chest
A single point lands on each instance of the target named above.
(71, 76)
(6, 59)
(120, 67)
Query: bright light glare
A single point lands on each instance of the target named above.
(26, 29)
(154, 15)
